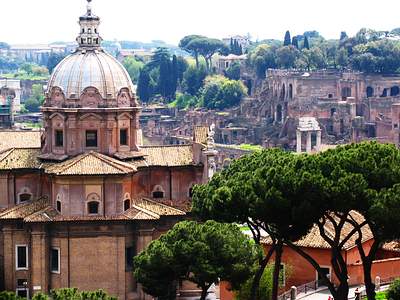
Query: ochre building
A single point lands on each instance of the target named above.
(80, 198)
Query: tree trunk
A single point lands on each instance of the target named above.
(196, 57)
(275, 278)
(369, 285)
(204, 290)
(256, 281)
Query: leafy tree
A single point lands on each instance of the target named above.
(393, 292)
(4, 295)
(53, 60)
(133, 67)
(181, 67)
(306, 43)
(4, 45)
(395, 31)
(286, 56)
(264, 290)
(287, 40)
(314, 58)
(269, 191)
(40, 296)
(193, 79)
(342, 58)
(207, 47)
(185, 45)
(343, 36)
(311, 34)
(220, 92)
(200, 253)
(262, 58)
(233, 71)
(34, 102)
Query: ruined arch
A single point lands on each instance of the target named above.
(394, 91)
(279, 113)
(283, 92)
(290, 91)
(370, 91)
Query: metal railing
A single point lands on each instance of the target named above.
(304, 288)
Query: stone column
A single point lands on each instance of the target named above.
(298, 141)
(308, 145)
(318, 146)
(39, 260)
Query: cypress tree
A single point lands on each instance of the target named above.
(173, 77)
(287, 41)
(295, 42)
(343, 35)
(144, 88)
(306, 43)
(232, 47)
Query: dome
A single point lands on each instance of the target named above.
(91, 68)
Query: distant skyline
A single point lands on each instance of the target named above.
(45, 21)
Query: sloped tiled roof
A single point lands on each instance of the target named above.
(91, 163)
(40, 210)
(19, 139)
(314, 240)
(20, 158)
(156, 207)
(200, 134)
(168, 156)
(24, 210)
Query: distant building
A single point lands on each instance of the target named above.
(224, 62)
(15, 86)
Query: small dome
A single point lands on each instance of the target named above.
(92, 68)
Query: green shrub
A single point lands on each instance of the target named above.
(9, 296)
(393, 292)
(40, 296)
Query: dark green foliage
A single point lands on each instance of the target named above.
(133, 66)
(343, 36)
(306, 43)
(185, 45)
(4, 45)
(34, 102)
(207, 47)
(233, 71)
(295, 42)
(286, 57)
(287, 40)
(4, 295)
(75, 294)
(40, 296)
(144, 85)
(219, 92)
(235, 48)
(201, 253)
(393, 292)
(193, 79)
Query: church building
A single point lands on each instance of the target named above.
(80, 198)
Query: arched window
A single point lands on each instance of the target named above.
(283, 92)
(93, 207)
(127, 204)
(58, 206)
(394, 91)
(346, 92)
(25, 197)
(370, 92)
(158, 192)
(290, 91)
(279, 114)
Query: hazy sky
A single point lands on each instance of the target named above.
(42, 21)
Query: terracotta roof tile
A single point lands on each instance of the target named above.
(156, 207)
(23, 210)
(19, 159)
(169, 156)
(91, 163)
(19, 139)
(314, 240)
(41, 211)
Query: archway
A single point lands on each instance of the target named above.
(370, 92)
(283, 92)
(279, 113)
(290, 91)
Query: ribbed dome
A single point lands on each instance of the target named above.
(84, 69)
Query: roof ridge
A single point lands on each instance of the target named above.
(146, 211)
(162, 204)
(165, 146)
(19, 206)
(114, 162)
(73, 161)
